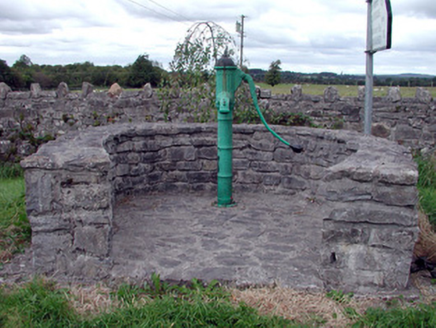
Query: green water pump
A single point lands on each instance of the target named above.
(228, 79)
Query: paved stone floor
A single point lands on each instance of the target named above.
(266, 238)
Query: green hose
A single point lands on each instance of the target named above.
(247, 78)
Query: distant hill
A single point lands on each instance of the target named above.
(404, 79)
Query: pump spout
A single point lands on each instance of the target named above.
(247, 78)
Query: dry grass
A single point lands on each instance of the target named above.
(426, 245)
(91, 300)
(304, 306)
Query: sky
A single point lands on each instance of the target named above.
(309, 36)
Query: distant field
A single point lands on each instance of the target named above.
(344, 90)
(318, 89)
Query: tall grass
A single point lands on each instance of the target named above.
(40, 304)
(15, 229)
(427, 185)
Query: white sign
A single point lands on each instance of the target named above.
(381, 20)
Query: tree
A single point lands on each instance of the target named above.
(9, 76)
(273, 76)
(195, 57)
(143, 71)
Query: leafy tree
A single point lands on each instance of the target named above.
(195, 57)
(9, 76)
(273, 76)
(25, 69)
(143, 71)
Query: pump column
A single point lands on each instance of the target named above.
(227, 81)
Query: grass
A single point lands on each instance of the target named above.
(344, 90)
(40, 304)
(318, 90)
(14, 227)
(427, 185)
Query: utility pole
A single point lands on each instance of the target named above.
(369, 83)
(240, 30)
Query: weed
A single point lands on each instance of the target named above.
(15, 232)
(339, 296)
(427, 185)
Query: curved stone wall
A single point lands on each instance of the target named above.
(367, 185)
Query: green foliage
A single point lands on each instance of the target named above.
(15, 229)
(40, 304)
(273, 76)
(423, 315)
(36, 304)
(144, 71)
(339, 296)
(195, 57)
(292, 119)
(175, 312)
(427, 185)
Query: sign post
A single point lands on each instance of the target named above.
(378, 37)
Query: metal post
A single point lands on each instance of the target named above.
(369, 73)
(242, 41)
(227, 81)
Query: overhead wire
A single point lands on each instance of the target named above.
(171, 11)
(154, 11)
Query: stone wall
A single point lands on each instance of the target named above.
(366, 183)
(47, 114)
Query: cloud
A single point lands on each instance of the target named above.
(310, 35)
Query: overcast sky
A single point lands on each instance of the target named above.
(306, 35)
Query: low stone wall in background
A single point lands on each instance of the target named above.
(368, 185)
(29, 118)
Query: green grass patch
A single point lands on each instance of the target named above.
(344, 90)
(41, 304)
(427, 186)
(15, 229)
(422, 315)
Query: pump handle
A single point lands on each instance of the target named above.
(247, 78)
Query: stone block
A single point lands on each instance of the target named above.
(395, 174)
(240, 164)
(257, 155)
(394, 94)
(405, 132)
(263, 145)
(88, 197)
(294, 183)
(35, 90)
(380, 130)
(331, 94)
(249, 177)
(201, 177)
(147, 90)
(122, 170)
(396, 195)
(87, 89)
(92, 240)
(265, 166)
(296, 92)
(346, 190)
(41, 188)
(374, 213)
(4, 90)
(211, 165)
(50, 223)
(271, 179)
(189, 166)
(423, 95)
(45, 246)
(177, 154)
(153, 156)
(62, 91)
(208, 153)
